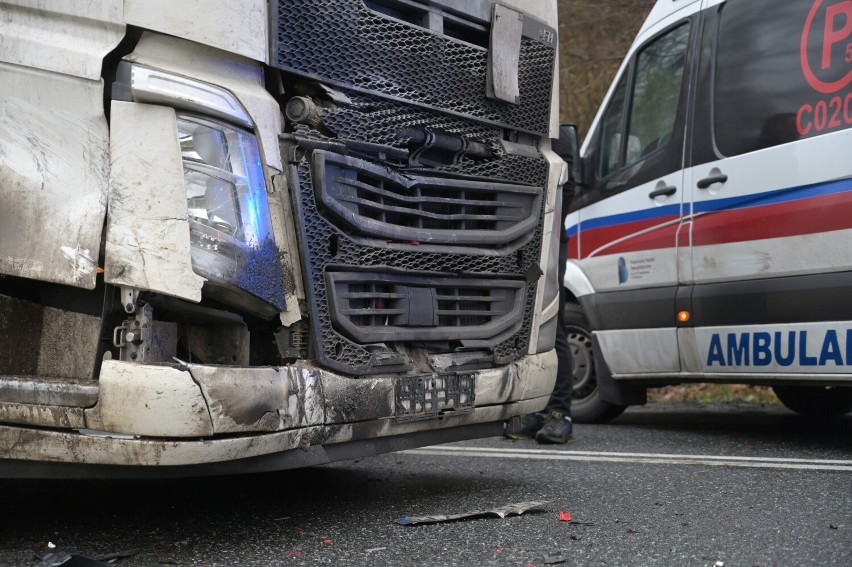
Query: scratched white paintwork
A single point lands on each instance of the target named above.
(534, 376)
(164, 401)
(52, 192)
(306, 403)
(814, 160)
(42, 415)
(152, 401)
(238, 26)
(64, 37)
(241, 76)
(72, 447)
(283, 219)
(550, 238)
(531, 377)
(243, 399)
(545, 11)
(147, 232)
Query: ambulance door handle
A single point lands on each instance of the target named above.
(708, 181)
(663, 192)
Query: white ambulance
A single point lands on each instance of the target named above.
(710, 239)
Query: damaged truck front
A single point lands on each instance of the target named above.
(255, 235)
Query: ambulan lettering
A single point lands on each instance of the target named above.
(781, 348)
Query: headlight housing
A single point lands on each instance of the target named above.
(229, 221)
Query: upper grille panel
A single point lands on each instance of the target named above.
(345, 43)
(376, 202)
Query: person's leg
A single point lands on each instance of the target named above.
(558, 427)
(560, 398)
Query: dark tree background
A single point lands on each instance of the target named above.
(594, 36)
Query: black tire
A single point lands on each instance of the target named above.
(586, 404)
(815, 401)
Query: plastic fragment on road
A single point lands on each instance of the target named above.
(554, 558)
(566, 517)
(502, 512)
(111, 558)
(374, 549)
(67, 557)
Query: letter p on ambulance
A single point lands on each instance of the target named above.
(835, 33)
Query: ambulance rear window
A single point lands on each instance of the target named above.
(783, 72)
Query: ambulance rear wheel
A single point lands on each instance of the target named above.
(586, 404)
(815, 401)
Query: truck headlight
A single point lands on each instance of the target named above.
(230, 227)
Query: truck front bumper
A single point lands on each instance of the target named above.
(167, 420)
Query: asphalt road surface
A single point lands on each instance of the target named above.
(730, 485)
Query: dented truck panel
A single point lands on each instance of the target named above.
(54, 175)
(60, 37)
(235, 27)
(244, 399)
(222, 250)
(149, 393)
(147, 243)
(161, 401)
(52, 192)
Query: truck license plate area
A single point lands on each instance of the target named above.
(438, 395)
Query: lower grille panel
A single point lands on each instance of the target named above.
(372, 307)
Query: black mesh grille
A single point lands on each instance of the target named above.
(377, 121)
(329, 248)
(380, 232)
(345, 43)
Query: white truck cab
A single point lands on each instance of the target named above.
(711, 235)
(262, 234)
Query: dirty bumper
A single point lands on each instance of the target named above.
(177, 420)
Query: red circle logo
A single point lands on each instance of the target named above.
(836, 44)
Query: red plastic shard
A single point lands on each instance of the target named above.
(564, 516)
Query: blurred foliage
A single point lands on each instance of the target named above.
(594, 36)
(713, 393)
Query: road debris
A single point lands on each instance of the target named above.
(67, 557)
(111, 558)
(554, 558)
(502, 512)
(566, 517)
(374, 549)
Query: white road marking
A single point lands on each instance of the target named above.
(655, 458)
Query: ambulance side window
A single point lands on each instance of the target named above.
(659, 76)
(609, 152)
(640, 135)
(767, 89)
